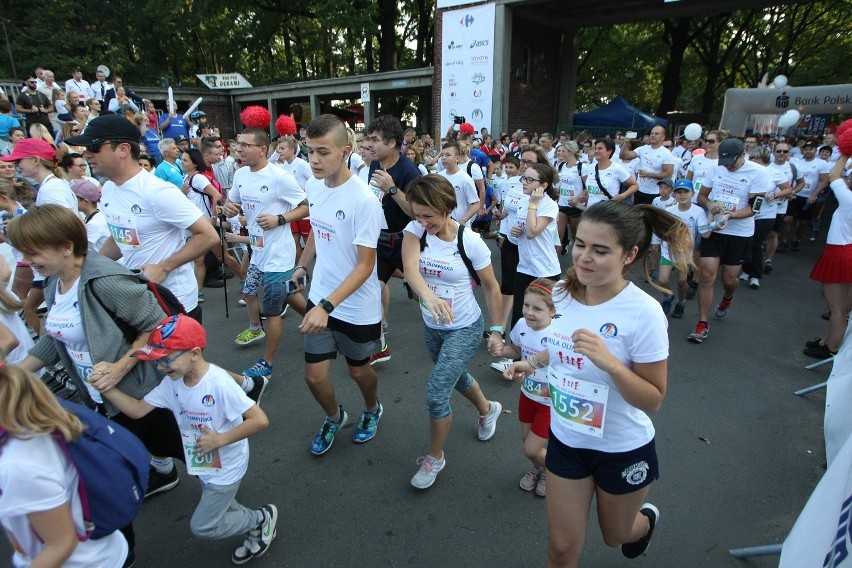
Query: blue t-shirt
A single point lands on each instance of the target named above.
(177, 127)
(171, 173)
(151, 141)
(482, 159)
(489, 199)
(7, 122)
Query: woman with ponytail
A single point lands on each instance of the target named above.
(607, 353)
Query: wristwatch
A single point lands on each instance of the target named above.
(281, 220)
(326, 305)
(393, 190)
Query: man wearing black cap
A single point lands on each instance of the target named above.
(803, 207)
(728, 193)
(147, 217)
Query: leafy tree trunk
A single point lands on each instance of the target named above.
(368, 53)
(423, 34)
(288, 51)
(678, 37)
(387, 37)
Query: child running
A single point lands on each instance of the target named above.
(216, 419)
(693, 216)
(528, 337)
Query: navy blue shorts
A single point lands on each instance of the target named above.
(617, 473)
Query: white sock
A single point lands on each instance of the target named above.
(248, 383)
(162, 465)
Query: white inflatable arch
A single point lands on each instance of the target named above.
(740, 103)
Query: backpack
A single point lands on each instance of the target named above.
(112, 470)
(462, 254)
(165, 298)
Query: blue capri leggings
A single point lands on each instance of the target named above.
(451, 350)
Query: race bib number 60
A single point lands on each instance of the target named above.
(580, 404)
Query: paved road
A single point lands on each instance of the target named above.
(739, 453)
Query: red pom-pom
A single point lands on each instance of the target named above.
(844, 142)
(285, 125)
(466, 128)
(847, 125)
(256, 117)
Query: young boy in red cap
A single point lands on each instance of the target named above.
(215, 418)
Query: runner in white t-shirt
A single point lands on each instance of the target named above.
(507, 217)
(344, 312)
(571, 186)
(271, 199)
(440, 259)
(656, 163)
(803, 207)
(728, 192)
(467, 198)
(784, 223)
(607, 364)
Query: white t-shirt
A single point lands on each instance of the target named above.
(634, 330)
(216, 402)
(530, 342)
(653, 160)
(446, 275)
(36, 476)
(840, 231)
(466, 193)
(300, 169)
(788, 175)
(97, 231)
(659, 202)
(344, 218)
(269, 190)
(811, 171)
(537, 255)
(148, 219)
(570, 182)
(65, 324)
(693, 218)
(475, 171)
(733, 190)
(769, 209)
(57, 191)
(196, 193)
(355, 162)
(611, 178)
(513, 192)
(15, 324)
(700, 166)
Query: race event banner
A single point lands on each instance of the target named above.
(467, 63)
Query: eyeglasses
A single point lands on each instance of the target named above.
(167, 361)
(782, 151)
(244, 145)
(527, 179)
(528, 162)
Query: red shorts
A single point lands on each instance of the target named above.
(834, 266)
(535, 413)
(302, 226)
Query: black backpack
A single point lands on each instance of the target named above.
(462, 254)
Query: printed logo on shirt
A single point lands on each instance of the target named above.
(76, 305)
(340, 215)
(263, 189)
(609, 330)
(136, 209)
(636, 473)
(544, 342)
(207, 400)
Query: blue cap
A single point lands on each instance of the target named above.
(684, 184)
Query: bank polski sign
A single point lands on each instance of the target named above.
(224, 80)
(467, 66)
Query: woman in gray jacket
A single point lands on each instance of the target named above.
(99, 314)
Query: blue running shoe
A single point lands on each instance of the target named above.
(325, 438)
(367, 427)
(259, 369)
(666, 303)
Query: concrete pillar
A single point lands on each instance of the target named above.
(502, 69)
(271, 108)
(567, 84)
(315, 106)
(370, 109)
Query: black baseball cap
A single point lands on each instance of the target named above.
(103, 128)
(730, 150)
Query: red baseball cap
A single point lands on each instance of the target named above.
(31, 148)
(175, 333)
(466, 128)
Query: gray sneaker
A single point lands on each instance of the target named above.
(488, 424)
(429, 470)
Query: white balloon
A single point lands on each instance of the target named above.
(692, 131)
(789, 118)
(780, 81)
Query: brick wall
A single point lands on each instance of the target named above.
(532, 106)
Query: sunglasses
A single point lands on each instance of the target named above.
(782, 151)
(711, 141)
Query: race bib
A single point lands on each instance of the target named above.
(512, 203)
(445, 293)
(729, 202)
(123, 230)
(567, 192)
(256, 237)
(536, 388)
(208, 464)
(580, 404)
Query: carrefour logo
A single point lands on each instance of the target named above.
(466, 21)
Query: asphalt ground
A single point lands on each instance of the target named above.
(739, 453)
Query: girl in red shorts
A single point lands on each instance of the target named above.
(528, 337)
